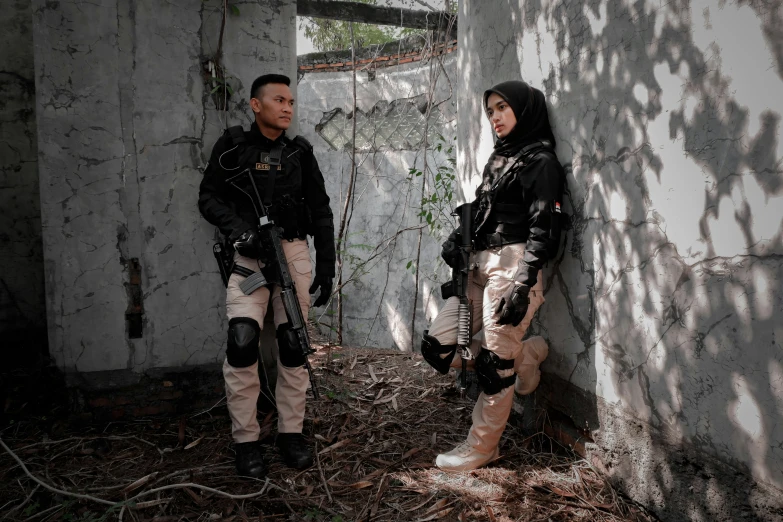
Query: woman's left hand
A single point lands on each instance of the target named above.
(513, 305)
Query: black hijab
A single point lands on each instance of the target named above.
(529, 107)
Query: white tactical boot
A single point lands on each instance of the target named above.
(534, 351)
(465, 458)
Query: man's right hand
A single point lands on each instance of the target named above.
(249, 244)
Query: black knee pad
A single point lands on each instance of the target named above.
(290, 353)
(487, 366)
(243, 336)
(436, 354)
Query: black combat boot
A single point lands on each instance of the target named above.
(248, 460)
(295, 452)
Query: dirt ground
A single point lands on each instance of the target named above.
(382, 419)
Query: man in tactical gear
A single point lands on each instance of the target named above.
(285, 174)
(517, 225)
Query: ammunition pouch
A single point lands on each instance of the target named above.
(253, 280)
(448, 290)
(450, 249)
(292, 217)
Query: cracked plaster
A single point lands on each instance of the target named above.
(378, 307)
(666, 304)
(127, 126)
(22, 306)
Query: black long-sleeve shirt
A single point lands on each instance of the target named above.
(524, 206)
(299, 202)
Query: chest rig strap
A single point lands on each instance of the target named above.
(272, 158)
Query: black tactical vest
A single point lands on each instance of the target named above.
(276, 177)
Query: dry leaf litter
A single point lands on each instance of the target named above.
(382, 419)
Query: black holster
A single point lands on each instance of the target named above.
(224, 255)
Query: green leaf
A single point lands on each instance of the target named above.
(409, 264)
(234, 10)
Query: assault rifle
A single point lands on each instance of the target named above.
(270, 234)
(462, 278)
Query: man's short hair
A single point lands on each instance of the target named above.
(265, 79)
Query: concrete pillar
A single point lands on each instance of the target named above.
(22, 308)
(666, 310)
(127, 123)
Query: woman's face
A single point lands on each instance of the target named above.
(500, 115)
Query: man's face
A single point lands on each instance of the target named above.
(274, 106)
(500, 115)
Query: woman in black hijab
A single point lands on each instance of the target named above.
(516, 231)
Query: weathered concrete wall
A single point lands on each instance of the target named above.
(125, 123)
(383, 232)
(667, 304)
(22, 307)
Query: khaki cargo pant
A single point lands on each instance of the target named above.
(494, 273)
(243, 384)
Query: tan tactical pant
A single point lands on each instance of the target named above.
(243, 384)
(494, 273)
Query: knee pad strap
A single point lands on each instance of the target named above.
(436, 354)
(487, 366)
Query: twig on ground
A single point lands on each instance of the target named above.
(47, 486)
(378, 472)
(203, 488)
(56, 507)
(321, 471)
(20, 506)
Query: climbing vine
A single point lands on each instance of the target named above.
(429, 195)
(216, 79)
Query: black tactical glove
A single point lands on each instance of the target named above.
(513, 305)
(249, 244)
(325, 284)
(450, 249)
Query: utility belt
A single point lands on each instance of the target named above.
(224, 255)
(511, 226)
(504, 234)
